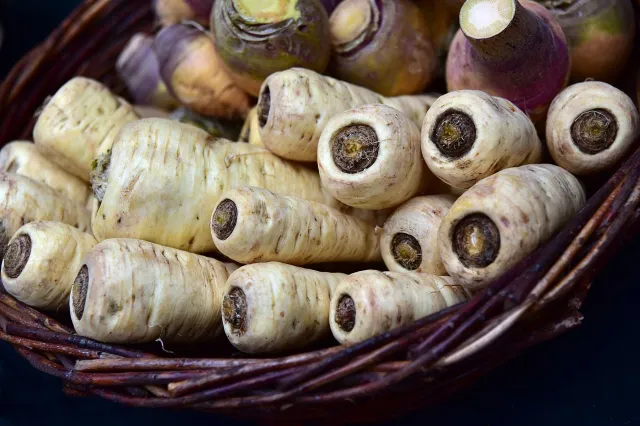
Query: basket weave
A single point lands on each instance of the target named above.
(383, 377)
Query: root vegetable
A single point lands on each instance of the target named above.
(468, 135)
(251, 129)
(23, 158)
(24, 200)
(442, 20)
(274, 307)
(257, 38)
(295, 106)
(369, 157)
(591, 127)
(80, 122)
(131, 291)
(41, 262)
(216, 127)
(409, 241)
(503, 218)
(515, 50)
(163, 178)
(601, 34)
(369, 303)
(330, 5)
(252, 225)
(171, 12)
(384, 45)
(195, 74)
(145, 111)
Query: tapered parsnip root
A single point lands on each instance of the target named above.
(591, 127)
(80, 122)
(369, 303)
(131, 291)
(295, 106)
(41, 262)
(256, 225)
(23, 158)
(251, 130)
(163, 179)
(24, 200)
(468, 135)
(409, 241)
(503, 218)
(369, 157)
(274, 307)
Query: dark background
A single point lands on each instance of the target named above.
(587, 377)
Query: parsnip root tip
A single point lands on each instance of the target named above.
(234, 310)
(264, 106)
(481, 19)
(594, 131)
(454, 133)
(224, 219)
(346, 313)
(355, 148)
(80, 287)
(99, 175)
(406, 251)
(476, 241)
(17, 255)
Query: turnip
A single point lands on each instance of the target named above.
(503, 218)
(171, 12)
(468, 135)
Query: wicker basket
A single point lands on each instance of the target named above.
(380, 378)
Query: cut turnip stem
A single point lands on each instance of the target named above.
(512, 50)
(591, 127)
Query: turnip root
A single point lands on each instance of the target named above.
(503, 218)
(591, 127)
(512, 49)
(24, 200)
(384, 45)
(251, 130)
(409, 241)
(195, 74)
(468, 135)
(257, 38)
(274, 307)
(601, 34)
(295, 106)
(252, 225)
(369, 157)
(171, 12)
(131, 291)
(80, 122)
(369, 303)
(442, 20)
(41, 262)
(163, 178)
(23, 158)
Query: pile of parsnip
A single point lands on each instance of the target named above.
(166, 219)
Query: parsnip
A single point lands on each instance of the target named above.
(24, 200)
(369, 157)
(131, 291)
(409, 241)
(41, 262)
(369, 303)
(274, 307)
(591, 127)
(468, 135)
(256, 225)
(251, 129)
(163, 179)
(79, 122)
(503, 218)
(295, 106)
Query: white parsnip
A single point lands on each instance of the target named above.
(24, 200)
(503, 218)
(256, 225)
(23, 158)
(274, 307)
(591, 126)
(78, 123)
(469, 135)
(41, 262)
(132, 291)
(295, 106)
(369, 157)
(251, 129)
(409, 241)
(369, 303)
